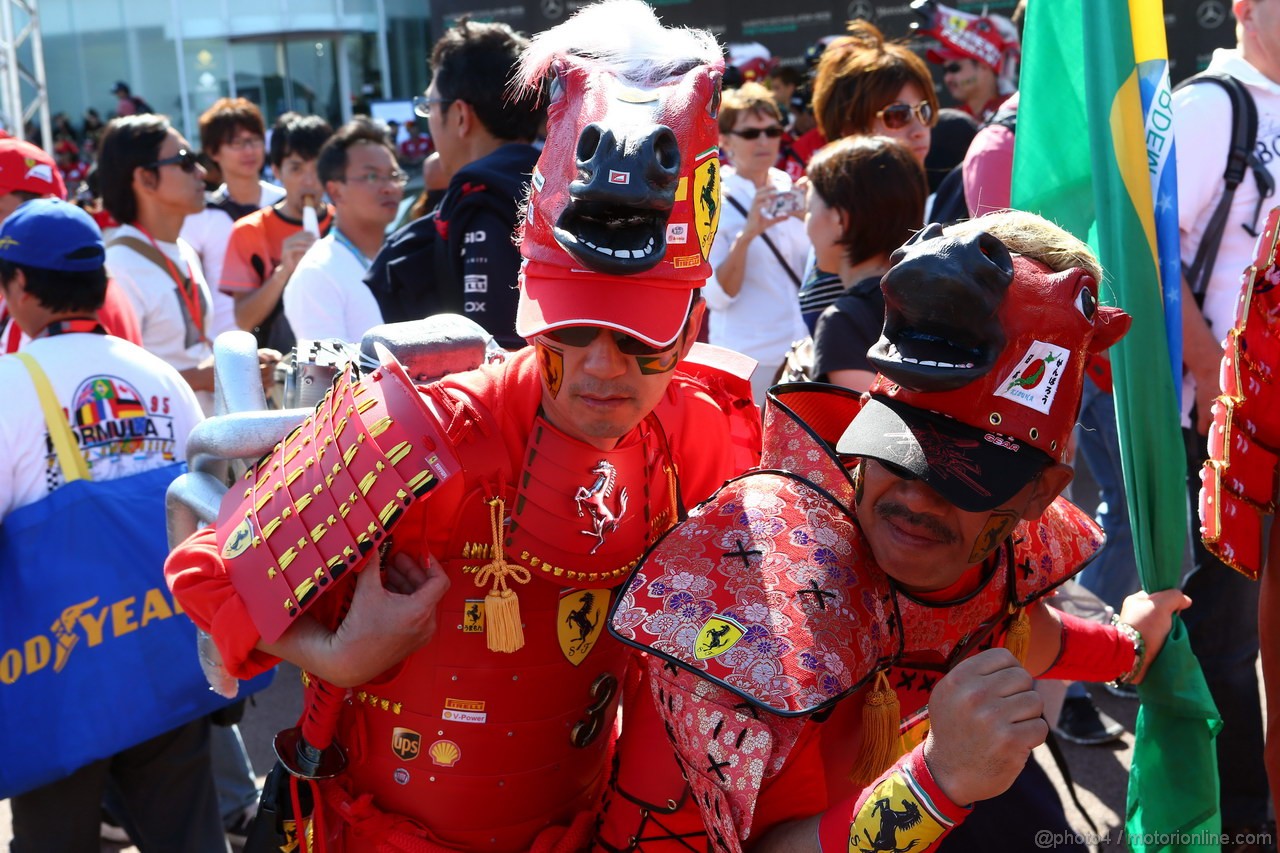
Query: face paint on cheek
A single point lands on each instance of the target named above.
(551, 366)
(665, 363)
(997, 529)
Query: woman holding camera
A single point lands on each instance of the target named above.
(760, 248)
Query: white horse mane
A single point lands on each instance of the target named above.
(623, 37)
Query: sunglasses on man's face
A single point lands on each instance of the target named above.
(582, 336)
(952, 68)
(773, 132)
(184, 159)
(898, 115)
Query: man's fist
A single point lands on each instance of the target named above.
(985, 717)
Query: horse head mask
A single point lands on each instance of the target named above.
(628, 183)
(981, 362)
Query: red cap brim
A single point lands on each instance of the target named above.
(653, 310)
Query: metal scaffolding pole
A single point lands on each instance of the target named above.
(24, 93)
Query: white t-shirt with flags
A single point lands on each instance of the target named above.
(129, 411)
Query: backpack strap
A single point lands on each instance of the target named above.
(1241, 158)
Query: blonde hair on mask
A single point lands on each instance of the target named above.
(1034, 236)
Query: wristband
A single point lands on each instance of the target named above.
(1139, 650)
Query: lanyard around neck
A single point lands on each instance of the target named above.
(81, 325)
(186, 287)
(351, 247)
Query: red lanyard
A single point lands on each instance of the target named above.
(186, 287)
(79, 325)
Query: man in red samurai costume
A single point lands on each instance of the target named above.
(843, 641)
(462, 693)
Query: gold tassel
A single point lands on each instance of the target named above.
(1018, 640)
(881, 741)
(502, 627)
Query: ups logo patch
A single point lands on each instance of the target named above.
(406, 743)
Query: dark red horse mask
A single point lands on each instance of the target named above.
(628, 183)
(981, 362)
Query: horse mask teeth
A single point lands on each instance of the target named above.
(942, 327)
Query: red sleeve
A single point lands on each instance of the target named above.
(198, 578)
(906, 788)
(1090, 651)
(117, 315)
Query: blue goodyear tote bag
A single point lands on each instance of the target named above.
(95, 654)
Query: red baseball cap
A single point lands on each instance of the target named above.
(982, 362)
(652, 309)
(26, 168)
(978, 38)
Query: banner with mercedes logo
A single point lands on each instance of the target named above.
(1195, 27)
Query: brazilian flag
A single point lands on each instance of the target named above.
(1094, 142)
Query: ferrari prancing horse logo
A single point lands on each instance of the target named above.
(580, 621)
(717, 637)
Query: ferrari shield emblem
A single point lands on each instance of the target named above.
(717, 637)
(580, 621)
(406, 743)
(898, 815)
(239, 540)
(706, 202)
(473, 616)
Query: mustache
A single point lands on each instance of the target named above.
(602, 389)
(887, 510)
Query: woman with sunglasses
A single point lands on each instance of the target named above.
(759, 252)
(856, 239)
(866, 86)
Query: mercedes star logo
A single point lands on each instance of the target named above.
(1211, 14)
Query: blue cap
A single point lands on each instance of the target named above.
(51, 234)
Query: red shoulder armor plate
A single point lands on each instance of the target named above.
(1050, 550)
(1238, 481)
(768, 589)
(726, 376)
(326, 495)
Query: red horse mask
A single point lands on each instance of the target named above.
(628, 183)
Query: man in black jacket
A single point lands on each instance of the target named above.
(460, 257)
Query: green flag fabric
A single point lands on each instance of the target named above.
(1083, 159)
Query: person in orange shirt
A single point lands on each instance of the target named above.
(265, 246)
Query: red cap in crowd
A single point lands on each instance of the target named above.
(26, 168)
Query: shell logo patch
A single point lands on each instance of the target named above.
(444, 753)
(406, 743)
(239, 540)
(706, 203)
(579, 622)
(1033, 382)
(464, 711)
(716, 637)
(473, 616)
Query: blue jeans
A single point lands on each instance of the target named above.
(1222, 625)
(1113, 573)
